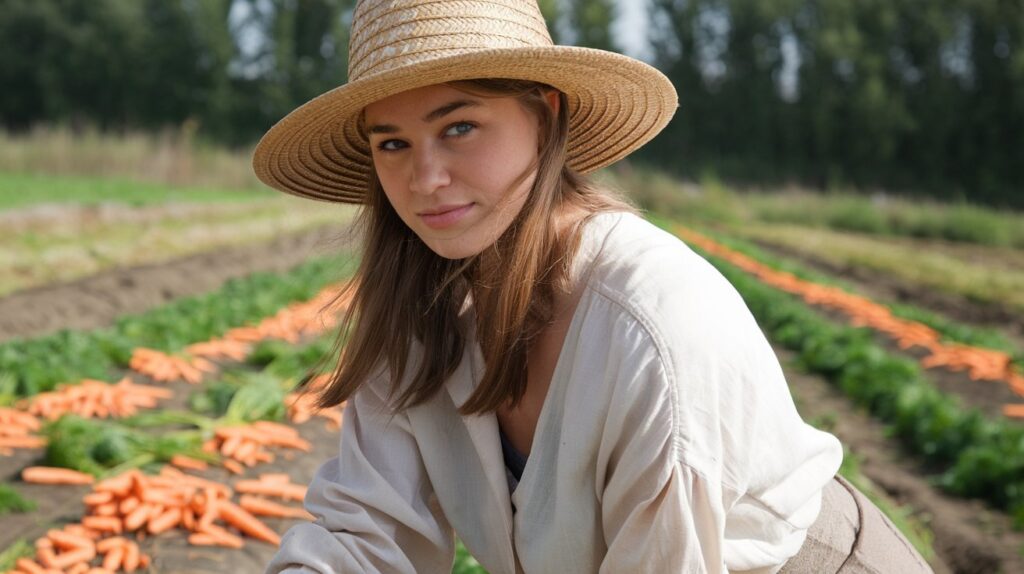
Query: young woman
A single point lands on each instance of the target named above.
(529, 365)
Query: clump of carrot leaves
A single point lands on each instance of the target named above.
(20, 549)
(105, 448)
(242, 397)
(12, 501)
(8, 389)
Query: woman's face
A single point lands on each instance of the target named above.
(456, 167)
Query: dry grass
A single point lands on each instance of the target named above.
(61, 243)
(986, 274)
(173, 157)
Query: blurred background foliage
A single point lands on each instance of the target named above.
(923, 97)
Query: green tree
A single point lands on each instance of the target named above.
(591, 23)
(552, 14)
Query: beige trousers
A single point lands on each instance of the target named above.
(852, 536)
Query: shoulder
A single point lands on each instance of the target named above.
(678, 296)
(706, 355)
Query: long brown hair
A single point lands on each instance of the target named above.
(405, 293)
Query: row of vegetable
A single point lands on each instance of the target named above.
(974, 456)
(232, 417)
(28, 367)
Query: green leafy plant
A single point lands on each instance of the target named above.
(12, 501)
(976, 456)
(107, 448)
(40, 364)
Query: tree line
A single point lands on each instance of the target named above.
(909, 95)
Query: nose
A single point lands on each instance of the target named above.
(429, 172)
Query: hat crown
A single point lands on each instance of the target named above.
(391, 34)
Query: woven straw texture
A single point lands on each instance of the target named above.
(616, 103)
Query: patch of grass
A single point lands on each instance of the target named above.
(76, 248)
(172, 156)
(711, 201)
(949, 330)
(12, 501)
(20, 549)
(24, 189)
(989, 284)
(464, 561)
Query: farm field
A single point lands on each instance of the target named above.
(122, 287)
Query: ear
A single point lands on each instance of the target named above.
(553, 100)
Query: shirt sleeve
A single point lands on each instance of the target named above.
(658, 514)
(374, 506)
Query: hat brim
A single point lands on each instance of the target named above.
(616, 104)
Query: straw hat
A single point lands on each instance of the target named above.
(616, 103)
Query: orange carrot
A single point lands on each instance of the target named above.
(286, 491)
(221, 536)
(108, 509)
(69, 558)
(22, 441)
(112, 561)
(137, 517)
(119, 485)
(55, 475)
(98, 498)
(1015, 411)
(165, 521)
(46, 556)
(68, 541)
(275, 478)
(247, 523)
(188, 462)
(131, 557)
(233, 466)
(264, 507)
(29, 566)
(108, 544)
(104, 523)
(128, 504)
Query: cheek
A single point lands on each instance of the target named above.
(503, 162)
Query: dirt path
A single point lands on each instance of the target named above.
(96, 301)
(969, 537)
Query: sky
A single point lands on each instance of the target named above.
(630, 27)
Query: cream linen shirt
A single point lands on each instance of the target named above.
(668, 442)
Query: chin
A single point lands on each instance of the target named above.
(453, 251)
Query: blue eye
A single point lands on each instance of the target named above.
(459, 129)
(391, 145)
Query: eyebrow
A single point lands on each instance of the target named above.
(430, 117)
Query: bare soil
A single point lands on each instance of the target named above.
(97, 301)
(969, 537)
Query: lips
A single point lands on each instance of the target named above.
(442, 209)
(444, 215)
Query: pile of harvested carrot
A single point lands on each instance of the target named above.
(165, 368)
(220, 349)
(71, 549)
(92, 398)
(979, 363)
(290, 324)
(16, 428)
(301, 405)
(133, 502)
(297, 320)
(247, 444)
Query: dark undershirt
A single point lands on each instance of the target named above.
(514, 460)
